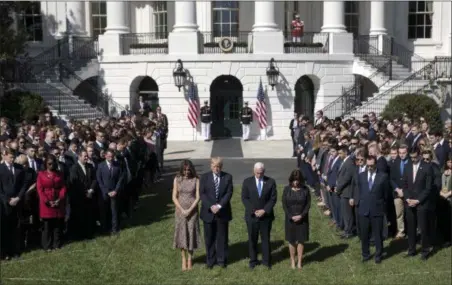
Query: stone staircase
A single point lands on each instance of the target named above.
(392, 74)
(44, 78)
(62, 102)
(422, 82)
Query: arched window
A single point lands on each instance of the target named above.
(225, 18)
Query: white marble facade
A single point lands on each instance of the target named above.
(329, 72)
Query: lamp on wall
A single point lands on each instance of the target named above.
(179, 74)
(272, 73)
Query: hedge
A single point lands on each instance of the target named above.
(21, 105)
(415, 106)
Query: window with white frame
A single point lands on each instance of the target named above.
(99, 17)
(160, 16)
(29, 19)
(352, 17)
(225, 18)
(420, 16)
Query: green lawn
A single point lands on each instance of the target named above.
(143, 254)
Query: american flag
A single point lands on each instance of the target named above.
(261, 108)
(193, 106)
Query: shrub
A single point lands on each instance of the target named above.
(415, 106)
(21, 105)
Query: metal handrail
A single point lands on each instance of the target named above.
(346, 105)
(400, 53)
(429, 72)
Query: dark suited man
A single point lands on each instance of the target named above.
(344, 189)
(417, 187)
(70, 156)
(371, 196)
(12, 190)
(216, 191)
(259, 198)
(110, 179)
(82, 185)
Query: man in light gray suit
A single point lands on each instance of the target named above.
(344, 188)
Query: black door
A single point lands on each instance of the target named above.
(304, 97)
(226, 106)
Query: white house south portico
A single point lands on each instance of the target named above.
(226, 48)
(324, 71)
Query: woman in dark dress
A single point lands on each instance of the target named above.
(296, 201)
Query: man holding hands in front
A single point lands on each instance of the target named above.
(216, 192)
(259, 198)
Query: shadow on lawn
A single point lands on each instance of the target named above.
(156, 202)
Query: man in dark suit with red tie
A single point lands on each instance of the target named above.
(259, 198)
(12, 190)
(419, 205)
(216, 192)
(370, 198)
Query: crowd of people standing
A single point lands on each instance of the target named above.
(77, 180)
(405, 167)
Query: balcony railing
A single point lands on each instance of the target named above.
(145, 43)
(241, 42)
(310, 42)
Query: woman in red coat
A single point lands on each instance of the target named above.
(52, 195)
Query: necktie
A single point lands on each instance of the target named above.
(414, 172)
(402, 164)
(10, 167)
(330, 163)
(217, 186)
(259, 188)
(371, 182)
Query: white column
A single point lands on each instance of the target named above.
(264, 16)
(185, 17)
(184, 39)
(116, 18)
(110, 43)
(267, 38)
(75, 18)
(333, 17)
(377, 18)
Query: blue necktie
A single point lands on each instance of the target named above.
(259, 188)
(371, 183)
(402, 164)
(217, 186)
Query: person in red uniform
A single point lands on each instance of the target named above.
(297, 29)
(52, 204)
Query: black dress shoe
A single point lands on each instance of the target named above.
(377, 260)
(346, 236)
(365, 259)
(410, 254)
(252, 265)
(209, 266)
(222, 265)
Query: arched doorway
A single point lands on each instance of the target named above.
(149, 89)
(226, 101)
(304, 97)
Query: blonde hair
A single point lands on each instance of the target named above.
(21, 159)
(216, 161)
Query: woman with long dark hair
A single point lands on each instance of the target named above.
(296, 201)
(52, 203)
(186, 198)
